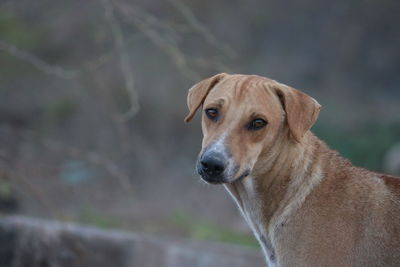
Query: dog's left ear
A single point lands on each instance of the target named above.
(198, 93)
(301, 109)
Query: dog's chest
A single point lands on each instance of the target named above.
(245, 196)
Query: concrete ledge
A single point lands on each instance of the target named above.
(41, 243)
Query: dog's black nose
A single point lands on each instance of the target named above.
(213, 165)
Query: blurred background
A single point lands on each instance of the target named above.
(93, 96)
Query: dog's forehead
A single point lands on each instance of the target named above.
(247, 91)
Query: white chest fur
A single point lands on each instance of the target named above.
(245, 196)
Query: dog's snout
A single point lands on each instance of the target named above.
(213, 164)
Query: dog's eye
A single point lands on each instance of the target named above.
(257, 124)
(212, 113)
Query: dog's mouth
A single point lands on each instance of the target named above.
(222, 178)
(245, 173)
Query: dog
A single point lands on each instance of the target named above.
(306, 205)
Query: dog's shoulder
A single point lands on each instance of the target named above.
(393, 182)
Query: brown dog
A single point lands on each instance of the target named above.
(306, 205)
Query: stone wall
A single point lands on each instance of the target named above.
(27, 242)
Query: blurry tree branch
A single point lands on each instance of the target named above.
(214, 64)
(55, 70)
(166, 37)
(91, 65)
(92, 157)
(197, 25)
(156, 23)
(132, 15)
(150, 26)
(123, 60)
(37, 62)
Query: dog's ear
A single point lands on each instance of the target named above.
(301, 109)
(198, 93)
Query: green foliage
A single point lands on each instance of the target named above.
(365, 146)
(201, 230)
(90, 216)
(17, 32)
(5, 189)
(8, 201)
(59, 110)
(21, 35)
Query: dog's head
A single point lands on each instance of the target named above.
(246, 117)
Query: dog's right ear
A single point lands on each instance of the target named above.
(198, 93)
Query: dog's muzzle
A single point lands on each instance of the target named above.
(211, 166)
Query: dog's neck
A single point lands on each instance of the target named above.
(268, 197)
